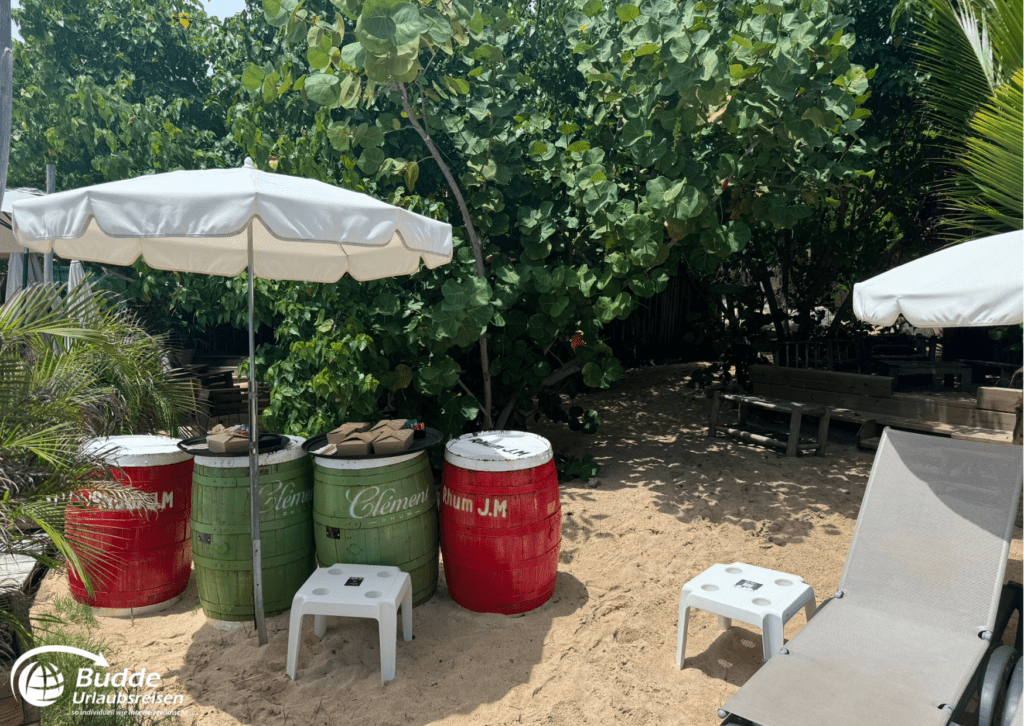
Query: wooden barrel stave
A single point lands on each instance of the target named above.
(500, 522)
(222, 541)
(141, 559)
(384, 514)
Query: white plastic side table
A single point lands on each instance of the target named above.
(764, 598)
(357, 591)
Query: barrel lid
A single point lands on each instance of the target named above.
(328, 462)
(498, 451)
(137, 450)
(293, 450)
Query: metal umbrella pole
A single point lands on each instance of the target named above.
(254, 467)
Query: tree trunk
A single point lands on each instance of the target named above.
(474, 240)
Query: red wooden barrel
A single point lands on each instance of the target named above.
(500, 521)
(147, 556)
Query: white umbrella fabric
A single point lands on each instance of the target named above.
(222, 221)
(8, 244)
(972, 284)
(10, 248)
(76, 274)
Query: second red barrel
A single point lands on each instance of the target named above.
(141, 561)
(500, 521)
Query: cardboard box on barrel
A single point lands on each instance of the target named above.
(388, 436)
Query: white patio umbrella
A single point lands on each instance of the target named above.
(9, 245)
(972, 284)
(11, 250)
(222, 221)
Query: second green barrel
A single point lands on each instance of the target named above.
(221, 539)
(378, 512)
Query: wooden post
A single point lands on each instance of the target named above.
(715, 403)
(794, 430)
(823, 431)
(6, 90)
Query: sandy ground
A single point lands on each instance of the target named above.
(669, 502)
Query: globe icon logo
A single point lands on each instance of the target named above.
(41, 684)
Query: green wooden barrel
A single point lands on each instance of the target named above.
(221, 535)
(378, 512)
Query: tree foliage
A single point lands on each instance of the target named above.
(691, 126)
(971, 51)
(108, 89)
(584, 152)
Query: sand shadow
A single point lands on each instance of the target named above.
(733, 657)
(654, 435)
(474, 658)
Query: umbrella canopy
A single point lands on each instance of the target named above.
(200, 221)
(8, 244)
(971, 284)
(222, 221)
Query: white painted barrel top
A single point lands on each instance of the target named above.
(498, 451)
(291, 452)
(328, 462)
(138, 451)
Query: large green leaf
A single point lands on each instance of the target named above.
(323, 88)
(252, 77)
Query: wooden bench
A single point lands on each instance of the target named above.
(860, 399)
(796, 413)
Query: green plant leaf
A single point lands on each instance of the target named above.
(323, 89)
(252, 77)
(627, 12)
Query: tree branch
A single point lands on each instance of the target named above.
(573, 366)
(474, 240)
(468, 392)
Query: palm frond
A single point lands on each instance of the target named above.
(44, 310)
(994, 161)
(1007, 33)
(109, 377)
(955, 53)
(971, 51)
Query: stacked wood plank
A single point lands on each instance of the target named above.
(873, 402)
(222, 396)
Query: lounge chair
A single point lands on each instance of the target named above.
(904, 639)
